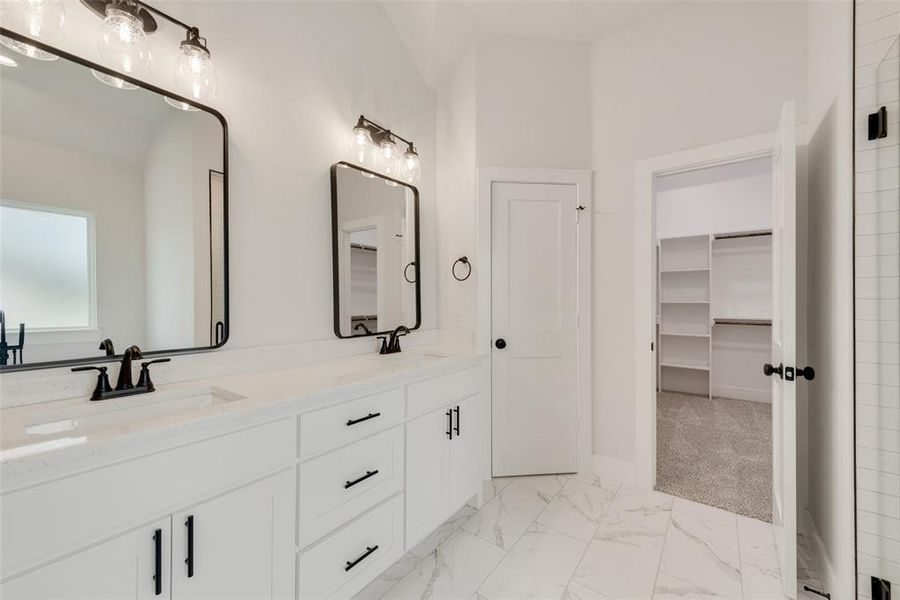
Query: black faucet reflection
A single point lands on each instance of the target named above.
(108, 348)
(366, 330)
(391, 345)
(124, 385)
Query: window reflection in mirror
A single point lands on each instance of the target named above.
(376, 246)
(112, 217)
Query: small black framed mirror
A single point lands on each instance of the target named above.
(375, 252)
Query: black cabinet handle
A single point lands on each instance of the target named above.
(500, 343)
(449, 424)
(456, 429)
(368, 474)
(189, 561)
(157, 561)
(364, 556)
(769, 370)
(352, 422)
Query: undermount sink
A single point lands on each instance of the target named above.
(130, 410)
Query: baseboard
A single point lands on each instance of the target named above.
(823, 564)
(742, 393)
(615, 469)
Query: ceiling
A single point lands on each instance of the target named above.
(439, 32)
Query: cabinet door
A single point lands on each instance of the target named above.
(427, 476)
(238, 545)
(124, 567)
(465, 450)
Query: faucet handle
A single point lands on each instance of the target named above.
(384, 345)
(144, 377)
(103, 387)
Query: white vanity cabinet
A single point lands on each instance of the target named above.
(123, 567)
(238, 545)
(446, 460)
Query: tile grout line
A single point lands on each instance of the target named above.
(662, 551)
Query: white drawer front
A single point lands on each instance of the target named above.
(340, 485)
(323, 569)
(331, 427)
(430, 394)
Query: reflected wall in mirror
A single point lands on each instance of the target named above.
(375, 223)
(113, 218)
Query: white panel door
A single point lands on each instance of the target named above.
(239, 545)
(533, 315)
(784, 347)
(124, 567)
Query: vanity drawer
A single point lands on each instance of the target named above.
(431, 394)
(343, 563)
(331, 427)
(340, 485)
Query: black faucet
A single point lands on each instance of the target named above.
(124, 381)
(124, 386)
(392, 345)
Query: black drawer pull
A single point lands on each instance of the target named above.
(368, 474)
(157, 562)
(365, 418)
(189, 561)
(449, 424)
(456, 429)
(365, 555)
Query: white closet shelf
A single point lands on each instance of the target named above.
(684, 365)
(676, 334)
(684, 301)
(685, 270)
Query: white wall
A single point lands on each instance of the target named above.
(695, 74)
(877, 203)
(168, 219)
(736, 197)
(35, 172)
(293, 78)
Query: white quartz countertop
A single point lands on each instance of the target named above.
(39, 440)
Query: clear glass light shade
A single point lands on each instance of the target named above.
(195, 74)
(112, 81)
(388, 157)
(362, 149)
(412, 167)
(180, 105)
(39, 19)
(123, 46)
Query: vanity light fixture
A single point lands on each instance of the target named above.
(375, 147)
(124, 46)
(41, 19)
(7, 61)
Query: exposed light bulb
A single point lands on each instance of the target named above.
(412, 166)
(195, 74)
(362, 149)
(123, 45)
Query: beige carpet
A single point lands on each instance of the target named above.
(717, 452)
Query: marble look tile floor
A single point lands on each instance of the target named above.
(580, 538)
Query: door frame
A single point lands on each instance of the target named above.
(581, 179)
(645, 372)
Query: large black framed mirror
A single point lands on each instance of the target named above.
(375, 252)
(113, 216)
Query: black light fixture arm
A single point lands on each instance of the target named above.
(164, 15)
(380, 130)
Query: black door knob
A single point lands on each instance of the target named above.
(769, 370)
(808, 373)
(500, 343)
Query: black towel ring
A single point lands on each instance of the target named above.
(406, 270)
(464, 260)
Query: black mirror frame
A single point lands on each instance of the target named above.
(334, 249)
(150, 87)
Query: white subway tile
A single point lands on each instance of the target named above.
(878, 503)
(878, 395)
(878, 460)
(878, 524)
(876, 545)
(877, 266)
(878, 416)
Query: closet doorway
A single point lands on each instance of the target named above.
(714, 334)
